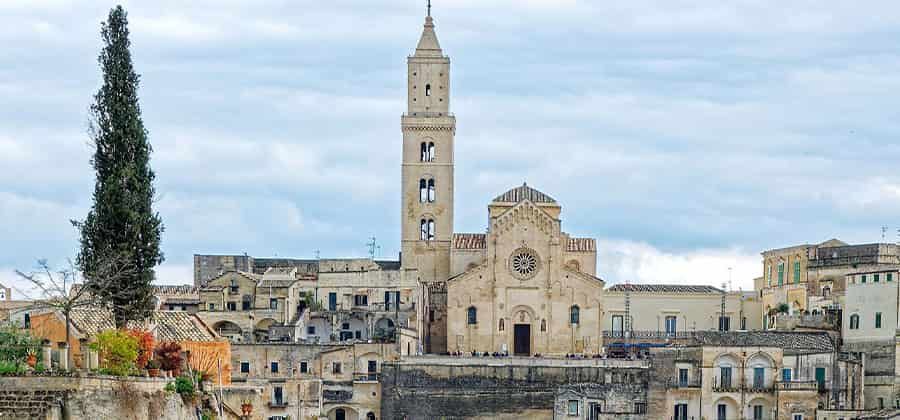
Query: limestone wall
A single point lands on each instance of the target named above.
(90, 398)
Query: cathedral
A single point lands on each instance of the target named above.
(524, 287)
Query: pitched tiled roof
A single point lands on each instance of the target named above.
(816, 341)
(469, 241)
(276, 283)
(174, 289)
(664, 288)
(581, 245)
(524, 192)
(166, 325)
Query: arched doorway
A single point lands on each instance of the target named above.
(522, 332)
(228, 330)
(340, 414)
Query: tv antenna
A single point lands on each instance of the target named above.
(374, 248)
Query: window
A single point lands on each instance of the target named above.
(757, 412)
(345, 326)
(232, 306)
(304, 367)
(212, 306)
(278, 395)
(721, 412)
(427, 229)
(574, 315)
(431, 191)
(725, 377)
(682, 377)
(543, 325)
(332, 301)
(573, 408)
(786, 375)
(245, 366)
(759, 377)
(336, 368)
(427, 151)
(854, 322)
(370, 416)
(797, 416)
(640, 408)
(273, 303)
(724, 323)
(796, 272)
(357, 334)
(671, 325)
(781, 274)
(431, 154)
(877, 319)
(820, 377)
(502, 327)
(423, 191)
(744, 323)
(311, 330)
(27, 320)
(890, 277)
(472, 316)
(875, 278)
(360, 300)
(245, 304)
(617, 325)
(234, 286)
(274, 366)
(427, 90)
(681, 412)
(863, 278)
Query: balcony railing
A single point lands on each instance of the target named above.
(278, 404)
(676, 383)
(365, 377)
(797, 386)
(649, 335)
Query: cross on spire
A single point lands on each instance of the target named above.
(429, 7)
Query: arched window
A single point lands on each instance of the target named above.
(340, 414)
(431, 152)
(574, 314)
(431, 191)
(423, 152)
(826, 292)
(423, 190)
(430, 230)
(370, 416)
(423, 230)
(501, 324)
(472, 316)
(854, 322)
(427, 90)
(543, 325)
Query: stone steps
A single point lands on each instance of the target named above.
(28, 404)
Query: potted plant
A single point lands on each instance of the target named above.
(153, 368)
(31, 357)
(246, 408)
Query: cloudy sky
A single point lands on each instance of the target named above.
(687, 136)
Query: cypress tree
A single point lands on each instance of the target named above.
(121, 226)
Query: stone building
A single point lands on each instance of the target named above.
(529, 295)
(208, 267)
(753, 375)
(667, 310)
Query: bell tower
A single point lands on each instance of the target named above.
(426, 217)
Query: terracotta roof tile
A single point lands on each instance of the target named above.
(664, 288)
(469, 241)
(524, 192)
(167, 325)
(582, 245)
(815, 341)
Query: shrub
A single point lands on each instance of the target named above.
(153, 364)
(145, 346)
(39, 368)
(16, 344)
(169, 355)
(170, 387)
(118, 351)
(184, 385)
(8, 367)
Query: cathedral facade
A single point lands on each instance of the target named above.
(525, 287)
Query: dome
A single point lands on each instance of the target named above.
(524, 192)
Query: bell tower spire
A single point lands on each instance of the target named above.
(426, 212)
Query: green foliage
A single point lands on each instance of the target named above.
(118, 352)
(39, 368)
(11, 368)
(782, 308)
(184, 385)
(16, 345)
(121, 224)
(170, 387)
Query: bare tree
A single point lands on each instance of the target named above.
(59, 290)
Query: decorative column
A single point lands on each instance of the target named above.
(63, 356)
(47, 352)
(85, 354)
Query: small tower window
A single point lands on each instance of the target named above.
(426, 152)
(431, 191)
(431, 230)
(574, 314)
(426, 230)
(423, 190)
(427, 90)
(502, 327)
(472, 316)
(431, 152)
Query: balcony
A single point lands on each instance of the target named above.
(278, 404)
(797, 386)
(674, 383)
(725, 386)
(365, 377)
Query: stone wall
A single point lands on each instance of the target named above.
(90, 398)
(427, 388)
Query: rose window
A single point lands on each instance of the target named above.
(524, 263)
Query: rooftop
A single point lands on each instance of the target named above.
(524, 192)
(815, 341)
(664, 288)
(166, 325)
